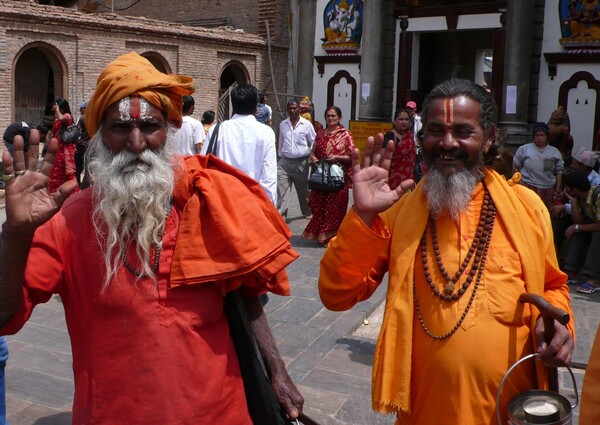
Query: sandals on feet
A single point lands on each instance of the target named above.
(587, 288)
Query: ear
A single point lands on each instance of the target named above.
(489, 140)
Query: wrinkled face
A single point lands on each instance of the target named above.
(401, 122)
(540, 138)
(293, 111)
(453, 138)
(135, 125)
(332, 118)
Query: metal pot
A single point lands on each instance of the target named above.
(537, 406)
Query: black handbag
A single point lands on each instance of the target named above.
(71, 134)
(326, 176)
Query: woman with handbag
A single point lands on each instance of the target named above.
(334, 145)
(64, 162)
(405, 153)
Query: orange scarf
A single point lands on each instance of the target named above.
(132, 74)
(229, 230)
(530, 231)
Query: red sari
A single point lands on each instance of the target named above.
(64, 162)
(403, 162)
(329, 208)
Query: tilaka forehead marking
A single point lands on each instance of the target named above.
(449, 112)
(134, 107)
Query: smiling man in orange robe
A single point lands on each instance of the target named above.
(459, 250)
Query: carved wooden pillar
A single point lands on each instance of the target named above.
(403, 92)
(498, 60)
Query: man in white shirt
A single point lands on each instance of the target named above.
(296, 137)
(191, 134)
(245, 143)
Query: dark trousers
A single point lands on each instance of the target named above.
(583, 254)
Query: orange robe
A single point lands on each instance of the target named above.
(454, 380)
(590, 396)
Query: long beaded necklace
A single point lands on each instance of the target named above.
(479, 248)
(155, 259)
(153, 266)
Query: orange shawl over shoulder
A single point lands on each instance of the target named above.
(229, 230)
(530, 231)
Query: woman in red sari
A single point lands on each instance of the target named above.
(405, 154)
(335, 144)
(64, 163)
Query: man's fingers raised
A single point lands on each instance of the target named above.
(18, 155)
(376, 156)
(49, 158)
(366, 157)
(64, 191)
(355, 161)
(33, 152)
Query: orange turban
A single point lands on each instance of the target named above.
(132, 74)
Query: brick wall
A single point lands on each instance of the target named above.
(82, 44)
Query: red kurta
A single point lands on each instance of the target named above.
(141, 354)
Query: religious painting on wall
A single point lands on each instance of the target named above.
(342, 25)
(580, 21)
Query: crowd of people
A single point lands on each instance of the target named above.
(170, 233)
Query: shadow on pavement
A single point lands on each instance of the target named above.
(63, 418)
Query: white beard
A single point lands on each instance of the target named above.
(131, 194)
(451, 194)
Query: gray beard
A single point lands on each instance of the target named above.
(131, 193)
(451, 194)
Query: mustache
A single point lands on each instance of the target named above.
(126, 161)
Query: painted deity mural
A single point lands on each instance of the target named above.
(580, 20)
(342, 25)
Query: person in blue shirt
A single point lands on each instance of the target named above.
(263, 112)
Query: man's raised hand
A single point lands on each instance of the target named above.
(29, 204)
(372, 193)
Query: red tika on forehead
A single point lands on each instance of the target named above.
(449, 112)
(134, 108)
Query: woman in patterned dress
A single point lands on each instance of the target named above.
(405, 154)
(64, 168)
(335, 144)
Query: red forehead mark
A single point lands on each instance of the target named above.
(134, 108)
(449, 112)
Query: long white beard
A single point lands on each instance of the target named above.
(450, 194)
(131, 194)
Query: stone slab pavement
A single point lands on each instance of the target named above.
(328, 354)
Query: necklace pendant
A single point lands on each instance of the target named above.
(449, 288)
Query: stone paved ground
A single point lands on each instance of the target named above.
(329, 354)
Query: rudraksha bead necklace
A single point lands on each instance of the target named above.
(489, 211)
(486, 223)
(153, 266)
(157, 251)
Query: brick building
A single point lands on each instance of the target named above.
(50, 51)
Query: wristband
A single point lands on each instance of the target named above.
(9, 236)
(577, 228)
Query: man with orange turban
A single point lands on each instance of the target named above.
(143, 260)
